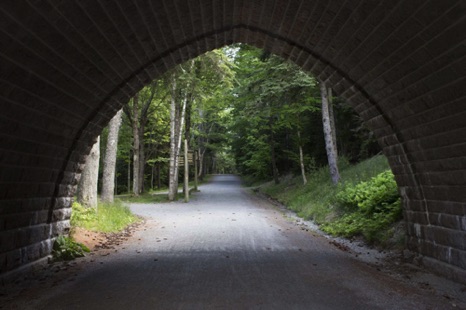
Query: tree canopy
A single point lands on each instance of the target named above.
(246, 111)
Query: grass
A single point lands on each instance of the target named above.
(143, 198)
(317, 200)
(107, 217)
(157, 196)
(147, 198)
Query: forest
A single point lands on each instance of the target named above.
(242, 110)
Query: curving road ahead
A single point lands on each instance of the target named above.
(229, 250)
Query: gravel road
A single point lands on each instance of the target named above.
(228, 249)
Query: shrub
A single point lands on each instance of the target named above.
(81, 215)
(64, 248)
(369, 209)
(366, 204)
(373, 196)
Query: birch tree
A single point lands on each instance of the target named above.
(332, 120)
(329, 135)
(177, 119)
(136, 144)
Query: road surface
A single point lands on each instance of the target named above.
(227, 249)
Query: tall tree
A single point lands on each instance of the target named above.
(108, 175)
(329, 135)
(87, 188)
(331, 114)
(300, 148)
(137, 112)
(177, 119)
(136, 144)
(157, 140)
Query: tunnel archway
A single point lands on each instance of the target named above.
(67, 67)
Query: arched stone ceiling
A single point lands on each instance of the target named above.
(66, 67)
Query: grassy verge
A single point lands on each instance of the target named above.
(328, 205)
(106, 218)
(157, 196)
(145, 198)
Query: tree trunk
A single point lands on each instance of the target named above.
(214, 165)
(186, 172)
(136, 146)
(172, 187)
(129, 173)
(108, 177)
(195, 156)
(332, 120)
(87, 189)
(152, 177)
(301, 158)
(329, 143)
(142, 159)
(200, 173)
(177, 118)
(187, 127)
(272, 153)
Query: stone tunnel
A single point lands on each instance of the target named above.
(66, 67)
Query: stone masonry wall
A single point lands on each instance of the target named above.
(66, 67)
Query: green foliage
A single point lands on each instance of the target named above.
(366, 204)
(374, 227)
(64, 248)
(270, 103)
(371, 196)
(82, 214)
(316, 200)
(247, 111)
(371, 207)
(147, 198)
(108, 217)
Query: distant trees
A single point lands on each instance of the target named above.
(282, 119)
(138, 111)
(196, 107)
(271, 101)
(243, 110)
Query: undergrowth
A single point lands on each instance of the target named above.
(369, 209)
(108, 217)
(65, 248)
(157, 196)
(148, 198)
(366, 203)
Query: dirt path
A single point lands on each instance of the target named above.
(229, 250)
